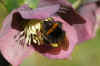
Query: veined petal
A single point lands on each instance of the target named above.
(87, 30)
(70, 15)
(11, 50)
(6, 25)
(39, 13)
(43, 3)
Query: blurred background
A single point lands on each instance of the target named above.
(85, 54)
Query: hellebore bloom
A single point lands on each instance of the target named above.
(53, 29)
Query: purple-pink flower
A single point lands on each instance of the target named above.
(19, 36)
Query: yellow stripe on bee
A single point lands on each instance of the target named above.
(54, 45)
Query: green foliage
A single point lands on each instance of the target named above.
(3, 13)
(31, 3)
(11, 4)
(72, 1)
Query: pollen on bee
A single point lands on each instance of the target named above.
(54, 45)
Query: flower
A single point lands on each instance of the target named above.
(53, 29)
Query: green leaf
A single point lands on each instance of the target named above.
(75, 3)
(32, 3)
(20, 2)
(11, 4)
(72, 1)
(3, 13)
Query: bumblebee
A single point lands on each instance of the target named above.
(41, 32)
(53, 32)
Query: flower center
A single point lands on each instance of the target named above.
(42, 32)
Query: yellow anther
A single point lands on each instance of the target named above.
(32, 28)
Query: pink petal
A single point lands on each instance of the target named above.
(39, 13)
(72, 37)
(43, 3)
(11, 50)
(87, 31)
(6, 25)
